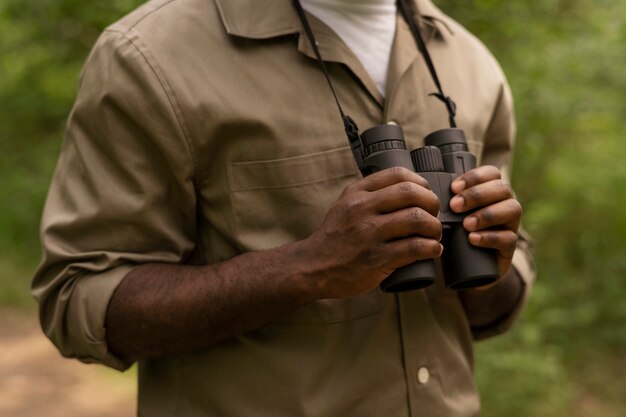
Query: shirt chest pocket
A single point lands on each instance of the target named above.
(283, 200)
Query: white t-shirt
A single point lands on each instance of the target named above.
(366, 26)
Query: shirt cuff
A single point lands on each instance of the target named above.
(84, 337)
(523, 270)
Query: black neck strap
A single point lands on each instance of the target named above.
(352, 130)
(421, 46)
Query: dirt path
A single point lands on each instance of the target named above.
(35, 381)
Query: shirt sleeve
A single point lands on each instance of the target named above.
(122, 194)
(498, 149)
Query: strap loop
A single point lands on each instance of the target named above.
(450, 105)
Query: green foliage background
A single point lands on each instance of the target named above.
(566, 61)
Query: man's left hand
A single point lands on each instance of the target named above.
(497, 217)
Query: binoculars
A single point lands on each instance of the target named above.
(444, 157)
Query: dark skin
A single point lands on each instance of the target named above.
(379, 223)
(494, 225)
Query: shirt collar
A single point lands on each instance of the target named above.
(263, 19)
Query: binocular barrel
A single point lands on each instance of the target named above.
(444, 157)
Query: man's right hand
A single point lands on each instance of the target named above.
(378, 224)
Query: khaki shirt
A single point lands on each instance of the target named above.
(204, 129)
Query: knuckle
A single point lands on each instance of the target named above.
(516, 208)
(472, 177)
(485, 217)
(416, 216)
(399, 173)
(482, 174)
(436, 230)
(432, 203)
(503, 239)
(506, 189)
(417, 246)
(511, 237)
(408, 189)
(353, 206)
(472, 196)
(508, 240)
(425, 248)
(424, 224)
(350, 189)
(364, 228)
(490, 238)
(406, 175)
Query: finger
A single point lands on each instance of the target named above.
(504, 241)
(481, 195)
(406, 251)
(391, 176)
(474, 177)
(403, 195)
(410, 222)
(505, 214)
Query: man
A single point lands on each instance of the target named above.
(207, 218)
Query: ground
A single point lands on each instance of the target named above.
(35, 381)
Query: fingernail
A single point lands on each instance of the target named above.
(458, 185)
(471, 223)
(474, 237)
(457, 203)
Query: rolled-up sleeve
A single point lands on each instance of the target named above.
(498, 149)
(122, 194)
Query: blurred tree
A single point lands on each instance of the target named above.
(565, 61)
(43, 44)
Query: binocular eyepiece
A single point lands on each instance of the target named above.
(444, 157)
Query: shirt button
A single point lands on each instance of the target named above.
(423, 375)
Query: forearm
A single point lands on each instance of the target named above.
(162, 309)
(487, 307)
